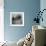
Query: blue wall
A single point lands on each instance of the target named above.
(29, 7)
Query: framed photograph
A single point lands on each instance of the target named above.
(16, 18)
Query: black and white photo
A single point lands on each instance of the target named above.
(17, 18)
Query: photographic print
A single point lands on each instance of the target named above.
(17, 18)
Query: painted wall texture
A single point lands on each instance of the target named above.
(29, 7)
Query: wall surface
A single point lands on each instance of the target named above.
(43, 6)
(29, 7)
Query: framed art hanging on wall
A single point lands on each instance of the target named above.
(17, 18)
